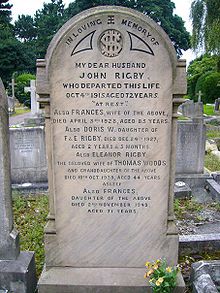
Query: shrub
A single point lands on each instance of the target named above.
(197, 68)
(209, 85)
(22, 81)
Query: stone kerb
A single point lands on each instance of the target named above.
(111, 85)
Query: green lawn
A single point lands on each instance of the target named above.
(212, 162)
(212, 134)
(30, 214)
(19, 111)
(183, 118)
(209, 110)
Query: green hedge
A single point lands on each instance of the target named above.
(22, 81)
(209, 85)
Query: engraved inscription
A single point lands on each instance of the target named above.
(111, 43)
(111, 78)
(111, 19)
(110, 138)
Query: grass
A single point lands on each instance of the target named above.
(214, 122)
(184, 206)
(212, 130)
(30, 214)
(191, 205)
(212, 162)
(212, 134)
(19, 111)
(215, 205)
(209, 110)
(189, 208)
(182, 118)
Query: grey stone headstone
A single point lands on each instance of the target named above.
(28, 155)
(17, 270)
(190, 147)
(217, 103)
(13, 98)
(111, 94)
(10, 104)
(37, 118)
(192, 110)
(186, 107)
(9, 248)
(34, 103)
(198, 112)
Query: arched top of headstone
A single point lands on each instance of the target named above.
(107, 36)
(3, 97)
(141, 33)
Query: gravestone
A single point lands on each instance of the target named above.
(192, 110)
(32, 90)
(37, 118)
(191, 139)
(13, 98)
(217, 102)
(111, 85)
(17, 269)
(190, 153)
(28, 155)
(10, 105)
(199, 94)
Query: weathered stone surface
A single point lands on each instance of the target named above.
(28, 155)
(190, 147)
(182, 190)
(217, 103)
(35, 111)
(205, 276)
(10, 104)
(102, 280)
(37, 166)
(194, 244)
(34, 121)
(112, 85)
(216, 176)
(18, 275)
(194, 180)
(192, 110)
(17, 270)
(214, 188)
(204, 284)
(9, 248)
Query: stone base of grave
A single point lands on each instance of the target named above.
(34, 121)
(18, 275)
(97, 280)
